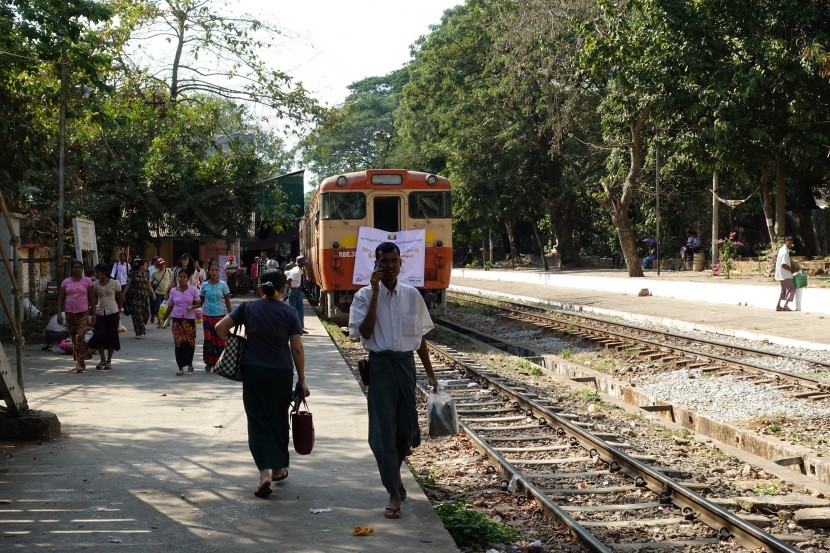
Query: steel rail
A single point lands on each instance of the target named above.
(799, 379)
(571, 313)
(722, 520)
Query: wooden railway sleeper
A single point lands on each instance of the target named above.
(712, 515)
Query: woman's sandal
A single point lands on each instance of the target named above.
(106, 367)
(389, 512)
(283, 475)
(180, 373)
(264, 489)
(190, 369)
(100, 366)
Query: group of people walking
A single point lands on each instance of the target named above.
(390, 319)
(139, 291)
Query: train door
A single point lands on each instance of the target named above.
(387, 213)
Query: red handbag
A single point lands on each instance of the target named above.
(302, 429)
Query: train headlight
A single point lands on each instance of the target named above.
(342, 180)
(431, 180)
(439, 244)
(335, 244)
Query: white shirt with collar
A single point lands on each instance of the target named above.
(296, 276)
(783, 258)
(120, 272)
(402, 318)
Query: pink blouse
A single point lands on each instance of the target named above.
(180, 301)
(75, 295)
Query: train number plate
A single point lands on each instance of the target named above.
(345, 254)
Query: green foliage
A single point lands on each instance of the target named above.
(360, 134)
(430, 480)
(768, 489)
(193, 172)
(471, 528)
(590, 396)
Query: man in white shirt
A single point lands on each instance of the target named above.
(784, 274)
(121, 270)
(391, 321)
(295, 291)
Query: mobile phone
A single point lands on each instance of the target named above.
(377, 265)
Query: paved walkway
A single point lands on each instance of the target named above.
(682, 299)
(151, 462)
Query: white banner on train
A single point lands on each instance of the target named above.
(412, 244)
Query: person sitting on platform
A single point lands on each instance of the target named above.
(652, 252)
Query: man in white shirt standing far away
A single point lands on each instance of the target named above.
(121, 270)
(391, 321)
(294, 275)
(784, 274)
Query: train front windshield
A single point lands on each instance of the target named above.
(430, 205)
(343, 205)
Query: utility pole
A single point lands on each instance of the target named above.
(657, 193)
(61, 155)
(714, 218)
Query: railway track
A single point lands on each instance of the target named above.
(609, 498)
(666, 348)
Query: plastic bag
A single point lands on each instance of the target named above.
(167, 322)
(442, 419)
(88, 336)
(121, 328)
(162, 309)
(198, 315)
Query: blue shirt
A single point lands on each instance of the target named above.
(213, 296)
(268, 324)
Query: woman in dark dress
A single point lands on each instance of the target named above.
(273, 349)
(138, 282)
(108, 302)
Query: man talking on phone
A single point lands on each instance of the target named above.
(391, 319)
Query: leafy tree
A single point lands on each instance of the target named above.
(361, 133)
(214, 52)
(763, 109)
(35, 36)
(192, 173)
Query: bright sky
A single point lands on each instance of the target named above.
(342, 41)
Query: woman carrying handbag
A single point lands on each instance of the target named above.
(273, 348)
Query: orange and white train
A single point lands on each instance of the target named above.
(392, 200)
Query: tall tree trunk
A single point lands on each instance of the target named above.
(564, 230)
(511, 237)
(780, 198)
(541, 245)
(181, 20)
(765, 205)
(617, 208)
(619, 216)
(806, 234)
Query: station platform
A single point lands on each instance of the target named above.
(742, 306)
(152, 462)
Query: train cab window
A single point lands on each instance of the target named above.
(428, 205)
(343, 205)
(387, 213)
